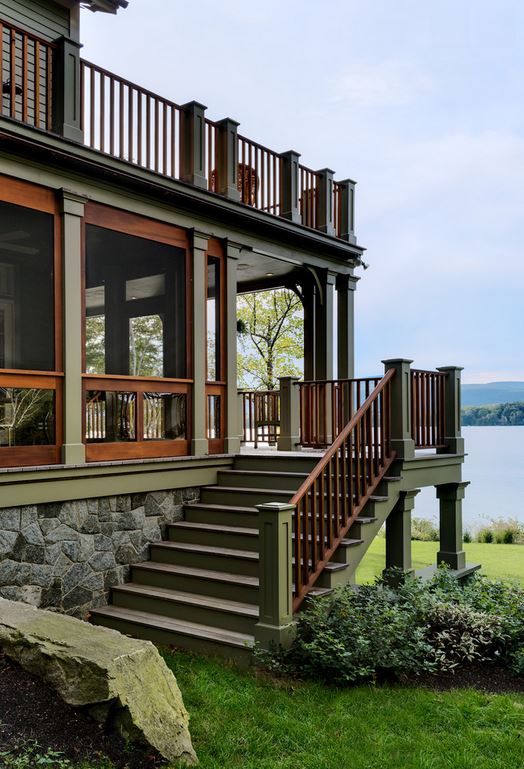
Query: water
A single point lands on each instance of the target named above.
(495, 467)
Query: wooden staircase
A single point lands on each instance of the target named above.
(199, 589)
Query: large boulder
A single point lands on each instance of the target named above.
(125, 682)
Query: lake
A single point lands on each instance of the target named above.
(495, 467)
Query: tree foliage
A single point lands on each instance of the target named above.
(271, 338)
(495, 414)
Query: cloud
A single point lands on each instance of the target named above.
(391, 83)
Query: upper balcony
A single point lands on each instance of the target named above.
(46, 85)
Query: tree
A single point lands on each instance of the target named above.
(271, 338)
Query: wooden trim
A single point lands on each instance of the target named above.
(134, 384)
(98, 452)
(24, 456)
(134, 224)
(28, 195)
(216, 445)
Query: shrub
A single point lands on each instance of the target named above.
(417, 627)
(504, 531)
(466, 537)
(424, 530)
(486, 535)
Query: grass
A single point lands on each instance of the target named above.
(242, 721)
(498, 561)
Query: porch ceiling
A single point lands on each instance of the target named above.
(255, 270)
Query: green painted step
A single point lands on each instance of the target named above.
(219, 584)
(261, 478)
(206, 557)
(241, 537)
(225, 515)
(243, 497)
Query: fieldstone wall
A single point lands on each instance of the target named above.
(65, 556)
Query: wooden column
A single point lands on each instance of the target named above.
(347, 210)
(289, 437)
(226, 182)
(450, 498)
(325, 201)
(324, 326)
(232, 444)
(199, 445)
(66, 89)
(73, 448)
(289, 186)
(454, 440)
(346, 286)
(193, 144)
(401, 440)
(398, 533)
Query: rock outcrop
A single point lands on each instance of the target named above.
(125, 682)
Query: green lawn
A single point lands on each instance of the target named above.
(241, 721)
(504, 561)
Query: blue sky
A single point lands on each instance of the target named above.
(420, 102)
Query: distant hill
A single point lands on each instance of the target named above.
(494, 414)
(492, 392)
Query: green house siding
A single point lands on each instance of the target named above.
(45, 19)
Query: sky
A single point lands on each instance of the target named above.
(421, 102)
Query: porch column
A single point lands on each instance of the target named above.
(309, 293)
(289, 437)
(346, 286)
(66, 89)
(450, 497)
(398, 533)
(324, 327)
(232, 444)
(401, 440)
(275, 626)
(73, 448)
(199, 446)
(454, 440)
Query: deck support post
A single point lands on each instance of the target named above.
(66, 90)
(73, 447)
(289, 186)
(325, 211)
(347, 210)
(450, 497)
(199, 445)
(454, 440)
(226, 173)
(193, 144)
(401, 440)
(232, 443)
(289, 437)
(346, 286)
(398, 533)
(275, 626)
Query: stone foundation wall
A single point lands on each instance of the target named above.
(65, 556)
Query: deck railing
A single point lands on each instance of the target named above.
(260, 416)
(26, 64)
(428, 408)
(336, 491)
(258, 176)
(307, 196)
(327, 405)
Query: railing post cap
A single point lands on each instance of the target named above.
(227, 121)
(289, 379)
(290, 152)
(274, 507)
(325, 171)
(391, 361)
(347, 181)
(450, 368)
(193, 105)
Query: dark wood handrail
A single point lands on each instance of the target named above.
(347, 475)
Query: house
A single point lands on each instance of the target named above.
(128, 225)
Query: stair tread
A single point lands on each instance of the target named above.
(196, 599)
(364, 519)
(191, 571)
(346, 542)
(214, 527)
(334, 566)
(182, 627)
(219, 508)
(188, 547)
(267, 473)
(250, 490)
(376, 498)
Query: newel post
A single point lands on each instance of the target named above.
(325, 201)
(450, 496)
(275, 626)
(193, 144)
(226, 180)
(289, 436)
(66, 89)
(401, 440)
(347, 210)
(454, 440)
(289, 203)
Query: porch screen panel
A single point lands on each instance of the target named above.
(27, 328)
(135, 306)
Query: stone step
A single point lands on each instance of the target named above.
(206, 557)
(173, 632)
(193, 607)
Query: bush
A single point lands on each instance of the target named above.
(466, 537)
(424, 530)
(503, 531)
(382, 631)
(486, 536)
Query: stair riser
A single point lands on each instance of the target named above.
(198, 560)
(176, 610)
(166, 638)
(332, 579)
(253, 480)
(192, 584)
(213, 538)
(268, 464)
(247, 498)
(223, 518)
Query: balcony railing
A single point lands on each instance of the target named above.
(428, 408)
